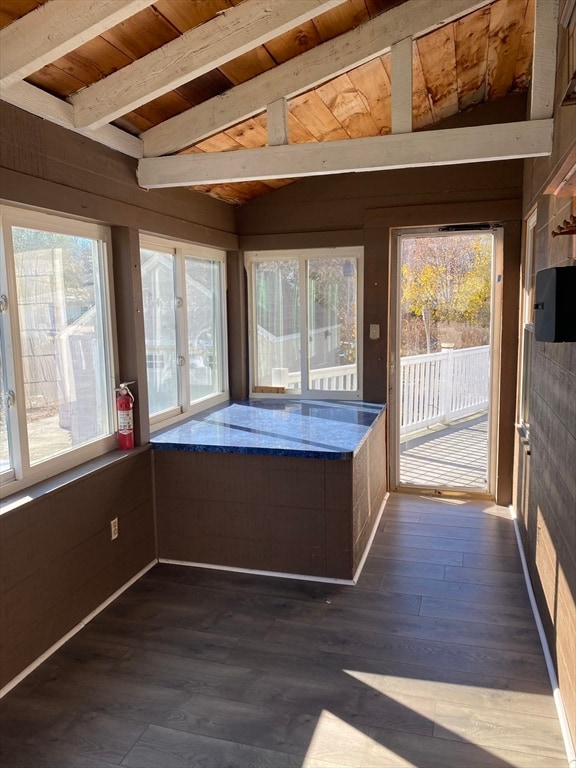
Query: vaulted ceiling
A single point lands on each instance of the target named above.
(235, 98)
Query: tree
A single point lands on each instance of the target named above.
(472, 300)
(446, 279)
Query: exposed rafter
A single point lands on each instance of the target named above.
(277, 122)
(544, 59)
(54, 29)
(441, 147)
(326, 98)
(402, 86)
(195, 53)
(298, 75)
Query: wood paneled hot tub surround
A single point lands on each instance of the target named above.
(285, 486)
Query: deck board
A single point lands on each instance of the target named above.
(447, 456)
(432, 659)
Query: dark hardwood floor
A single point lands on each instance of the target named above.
(432, 660)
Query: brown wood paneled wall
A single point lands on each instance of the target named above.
(46, 166)
(369, 486)
(339, 204)
(237, 308)
(260, 512)
(58, 561)
(545, 481)
(545, 488)
(130, 332)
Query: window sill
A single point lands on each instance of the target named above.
(156, 425)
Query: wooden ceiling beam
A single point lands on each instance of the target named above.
(483, 143)
(198, 51)
(401, 86)
(544, 59)
(53, 30)
(38, 102)
(277, 122)
(304, 72)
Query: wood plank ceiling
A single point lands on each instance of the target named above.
(481, 56)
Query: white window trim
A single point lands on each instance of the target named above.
(180, 250)
(302, 255)
(526, 319)
(23, 474)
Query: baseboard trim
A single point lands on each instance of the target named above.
(255, 572)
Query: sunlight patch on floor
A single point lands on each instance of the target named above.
(498, 718)
(444, 500)
(407, 690)
(335, 744)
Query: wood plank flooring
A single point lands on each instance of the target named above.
(432, 660)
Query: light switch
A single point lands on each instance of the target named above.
(374, 331)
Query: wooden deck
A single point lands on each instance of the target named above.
(453, 456)
(432, 660)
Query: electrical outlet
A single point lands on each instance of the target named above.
(114, 529)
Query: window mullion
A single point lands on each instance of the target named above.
(181, 315)
(107, 323)
(252, 324)
(220, 323)
(304, 329)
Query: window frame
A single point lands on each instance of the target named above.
(303, 256)
(526, 341)
(23, 474)
(180, 251)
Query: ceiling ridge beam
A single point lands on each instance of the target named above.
(54, 29)
(309, 69)
(51, 108)
(485, 143)
(198, 51)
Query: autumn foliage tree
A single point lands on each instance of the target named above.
(446, 280)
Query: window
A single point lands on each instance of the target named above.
(527, 323)
(183, 294)
(57, 378)
(304, 322)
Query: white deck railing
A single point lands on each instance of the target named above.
(443, 386)
(338, 378)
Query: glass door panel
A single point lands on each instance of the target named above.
(444, 360)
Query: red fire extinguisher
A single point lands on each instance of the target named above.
(125, 409)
